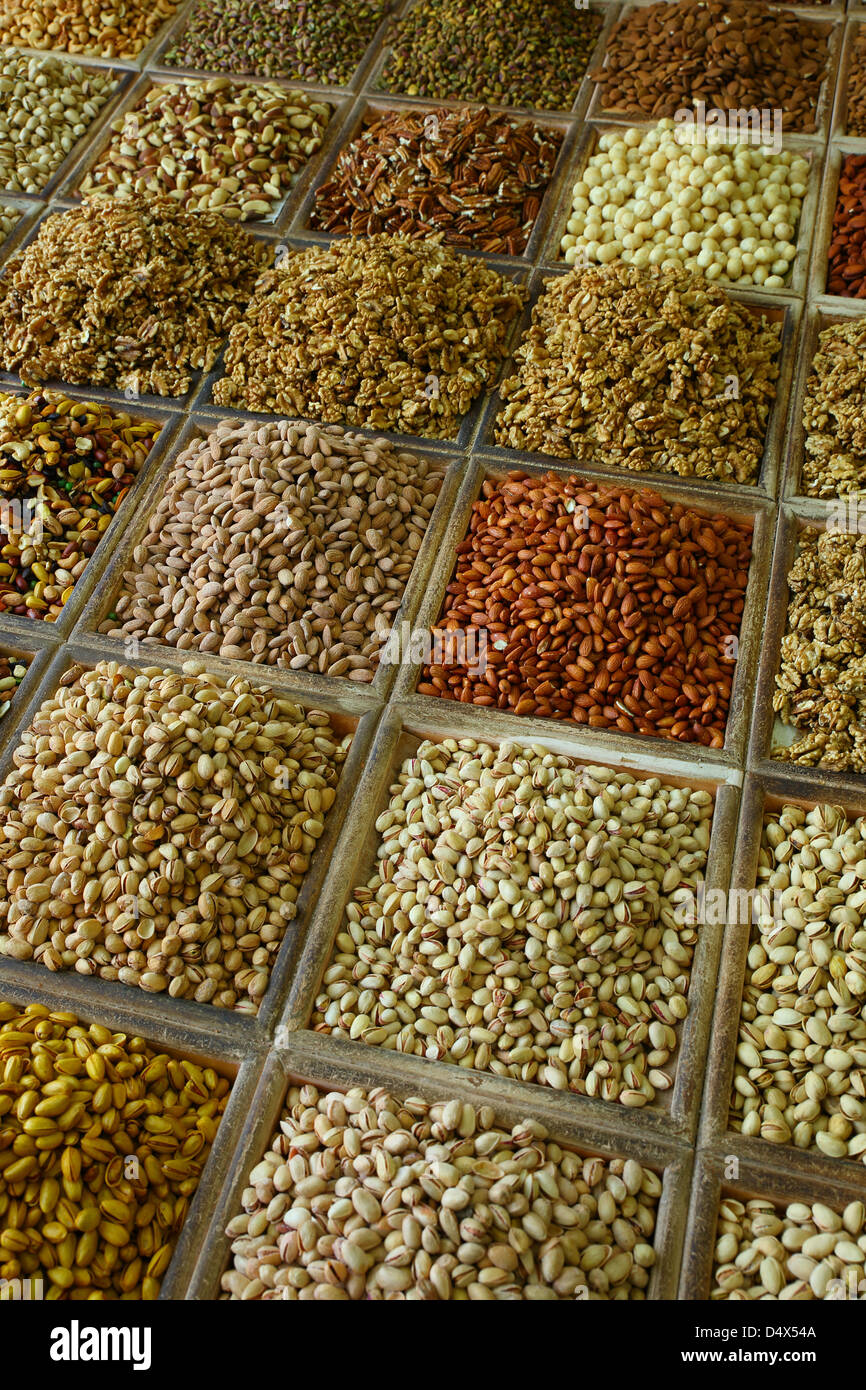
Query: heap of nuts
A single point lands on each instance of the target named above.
(524, 918)
(834, 413)
(523, 53)
(156, 828)
(729, 54)
(214, 144)
(104, 1141)
(364, 1196)
(87, 26)
(65, 468)
(381, 332)
(821, 684)
(283, 544)
(856, 93)
(475, 177)
(804, 1251)
(588, 602)
(321, 43)
(800, 1076)
(48, 106)
(652, 198)
(846, 257)
(650, 370)
(133, 296)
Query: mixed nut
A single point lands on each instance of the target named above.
(67, 466)
(211, 145)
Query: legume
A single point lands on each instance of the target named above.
(730, 54)
(820, 689)
(105, 1141)
(66, 468)
(606, 607)
(85, 26)
(132, 296)
(802, 1251)
(834, 413)
(311, 40)
(47, 106)
(215, 144)
(520, 921)
(526, 53)
(800, 1076)
(382, 332)
(731, 211)
(364, 1196)
(280, 544)
(645, 370)
(846, 268)
(157, 827)
(476, 178)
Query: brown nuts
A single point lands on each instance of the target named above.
(135, 296)
(653, 369)
(283, 544)
(381, 332)
(599, 605)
